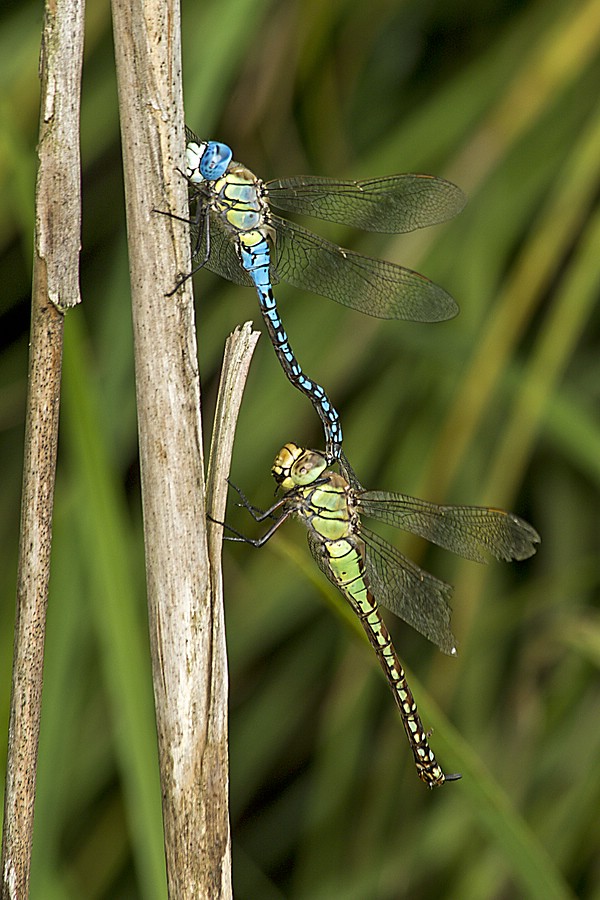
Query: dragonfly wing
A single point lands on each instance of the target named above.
(395, 204)
(320, 556)
(465, 530)
(372, 286)
(408, 591)
(349, 473)
(190, 137)
(223, 257)
(397, 583)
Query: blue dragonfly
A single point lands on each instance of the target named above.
(236, 235)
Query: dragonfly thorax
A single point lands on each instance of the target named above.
(322, 506)
(237, 198)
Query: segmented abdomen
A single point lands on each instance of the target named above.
(255, 257)
(346, 559)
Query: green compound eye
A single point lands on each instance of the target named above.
(308, 467)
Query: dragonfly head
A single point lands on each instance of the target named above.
(296, 467)
(206, 161)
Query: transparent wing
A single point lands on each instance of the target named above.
(223, 258)
(408, 591)
(372, 286)
(397, 583)
(466, 530)
(395, 204)
(349, 474)
(320, 556)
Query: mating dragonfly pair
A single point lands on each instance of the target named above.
(236, 234)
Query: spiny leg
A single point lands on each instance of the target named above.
(201, 220)
(259, 515)
(255, 542)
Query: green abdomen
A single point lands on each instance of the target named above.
(347, 567)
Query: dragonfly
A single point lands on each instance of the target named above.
(369, 571)
(236, 234)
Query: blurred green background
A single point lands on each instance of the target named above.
(497, 406)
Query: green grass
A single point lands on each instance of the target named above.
(497, 406)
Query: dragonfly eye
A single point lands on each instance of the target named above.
(214, 160)
(308, 467)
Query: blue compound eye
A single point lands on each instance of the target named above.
(215, 160)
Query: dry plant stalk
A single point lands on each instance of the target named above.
(55, 288)
(184, 599)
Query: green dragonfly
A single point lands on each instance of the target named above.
(368, 570)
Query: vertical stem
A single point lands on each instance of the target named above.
(239, 348)
(185, 605)
(41, 438)
(55, 288)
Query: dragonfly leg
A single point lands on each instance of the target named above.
(170, 215)
(257, 514)
(201, 220)
(255, 542)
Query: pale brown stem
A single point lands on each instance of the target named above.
(185, 613)
(55, 288)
